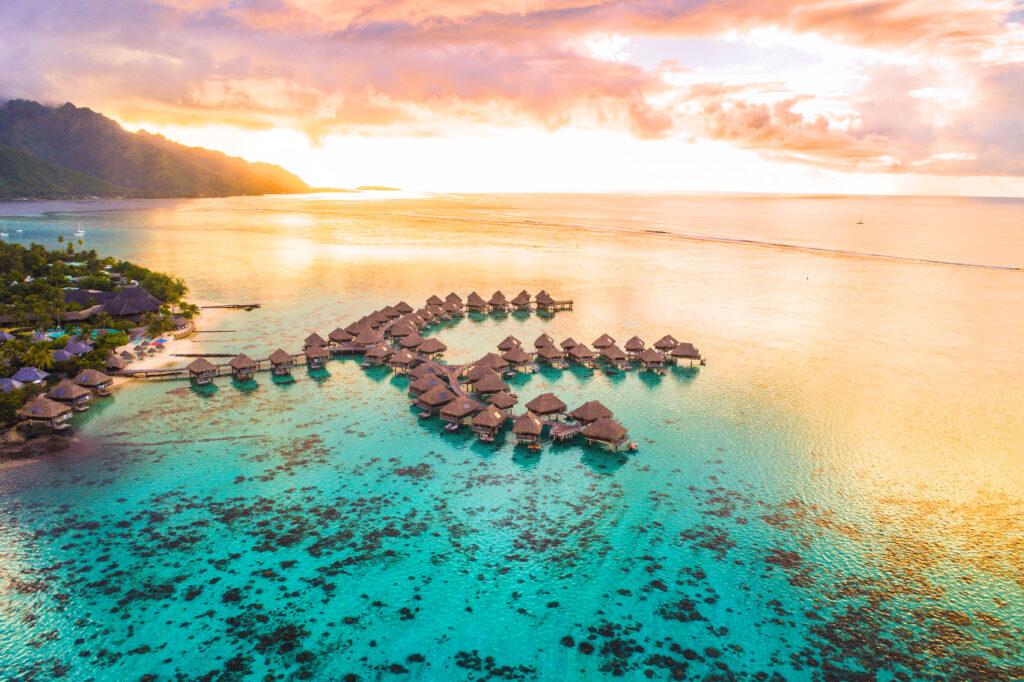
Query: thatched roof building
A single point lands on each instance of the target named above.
(94, 380)
(70, 393)
(434, 300)
(402, 360)
(652, 359)
(435, 398)
(403, 307)
(581, 353)
(607, 431)
(522, 300)
(316, 357)
(603, 342)
(401, 329)
(498, 300)
(313, 339)
(411, 341)
(516, 356)
(487, 422)
(546, 404)
(45, 412)
(202, 370)
(543, 340)
(460, 409)
(590, 412)
(635, 346)
(489, 383)
(243, 367)
(339, 335)
(568, 344)
(475, 302)
(281, 362)
(503, 400)
(426, 383)
(451, 308)
(528, 424)
(378, 353)
(493, 361)
(454, 298)
(666, 343)
(686, 351)
(391, 312)
(431, 347)
(544, 299)
(508, 343)
(367, 338)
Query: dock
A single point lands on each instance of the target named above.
(237, 306)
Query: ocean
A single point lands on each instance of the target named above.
(836, 494)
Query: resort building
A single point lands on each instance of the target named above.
(608, 432)
(635, 346)
(508, 343)
(568, 344)
(454, 299)
(95, 381)
(339, 335)
(499, 303)
(281, 363)
(489, 384)
(202, 371)
(434, 300)
(552, 356)
(543, 340)
(616, 357)
(438, 312)
(685, 351)
(475, 303)
(8, 385)
(582, 355)
(545, 302)
(494, 362)
(316, 357)
(487, 423)
(527, 429)
(378, 355)
(402, 361)
(71, 394)
(431, 401)
(391, 312)
(603, 342)
(666, 343)
(115, 363)
(402, 329)
(653, 361)
(30, 375)
(590, 412)
(428, 368)
(518, 359)
(366, 339)
(459, 411)
(243, 367)
(313, 339)
(504, 401)
(546, 405)
(521, 301)
(431, 349)
(425, 384)
(451, 309)
(44, 412)
(403, 307)
(411, 341)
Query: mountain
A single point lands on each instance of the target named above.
(71, 151)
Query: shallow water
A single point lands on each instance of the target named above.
(837, 491)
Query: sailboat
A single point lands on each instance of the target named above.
(79, 232)
(859, 221)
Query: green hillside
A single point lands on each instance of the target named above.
(23, 175)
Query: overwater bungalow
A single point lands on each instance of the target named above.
(367, 339)
(452, 309)
(568, 344)
(685, 351)
(426, 316)
(411, 341)
(402, 361)
(434, 399)
(377, 355)
(71, 394)
(358, 326)
(583, 355)
(509, 343)
(603, 342)
(544, 301)
(428, 368)
(425, 384)
(489, 384)
(281, 363)
(547, 405)
(653, 361)
(316, 357)
(666, 343)
(313, 339)
(378, 319)
(498, 302)
(527, 429)
(521, 301)
(401, 329)
(616, 357)
(438, 312)
(459, 411)
(454, 298)
(504, 401)
(608, 432)
(201, 371)
(115, 363)
(431, 349)
(518, 359)
(475, 373)
(339, 335)
(434, 300)
(243, 367)
(403, 307)
(476, 303)
(543, 340)
(552, 356)
(487, 423)
(391, 312)
(590, 412)
(44, 412)
(635, 346)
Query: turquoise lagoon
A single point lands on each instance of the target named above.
(836, 495)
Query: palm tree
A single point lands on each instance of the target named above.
(35, 355)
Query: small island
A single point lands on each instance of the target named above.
(67, 316)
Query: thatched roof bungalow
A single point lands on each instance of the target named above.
(666, 343)
(316, 357)
(411, 341)
(489, 384)
(503, 401)
(391, 312)
(243, 367)
(201, 371)
(546, 405)
(44, 412)
(568, 344)
(313, 339)
(454, 298)
(378, 354)
(493, 361)
(339, 335)
(403, 307)
(552, 356)
(616, 357)
(608, 432)
(685, 351)
(488, 422)
(522, 300)
(71, 394)
(476, 303)
(652, 360)
(431, 348)
(451, 309)
(590, 412)
(402, 361)
(543, 340)
(434, 300)
(460, 410)
(401, 329)
(95, 381)
(603, 342)
(281, 362)
(527, 429)
(508, 343)
(115, 363)
(426, 383)
(518, 358)
(433, 399)
(498, 302)
(582, 355)
(635, 346)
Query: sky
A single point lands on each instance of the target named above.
(795, 96)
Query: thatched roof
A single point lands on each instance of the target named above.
(435, 310)
(650, 355)
(454, 298)
(581, 352)
(425, 315)
(66, 390)
(339, 335)
(378, 318)
(546, 403)
(439, 395)
(498, 299)
(358, 326)
(367, 337)
(686, 350)
(590, 412)
(201, 366)
(281, 357)
(543, 340)
(243, 361)
(502, 400)
(391, 312)
(544, 298)
(378, 352)
(43, 408)
(115, 361)
(509, 343)
(428, 368)
(606, 430)
(667, 342)
(550, 353)
(475, 300)
(461, 408)
(431, 346)
(635, 345)
(316, 352)
(411, 341)
(528, 424)
(614, 353)
(516, 356)
(91, 378)
(403, 357)
(451, 307)
(569, 343)
(489, 417)
(490, 383)
(314, 339)
(476, 373)
(426, 383)
(603, 341)
(403, 307)
(493, 361)
(522, 298)
(402, 328)
(434, 300)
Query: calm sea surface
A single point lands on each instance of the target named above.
(837, 493)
